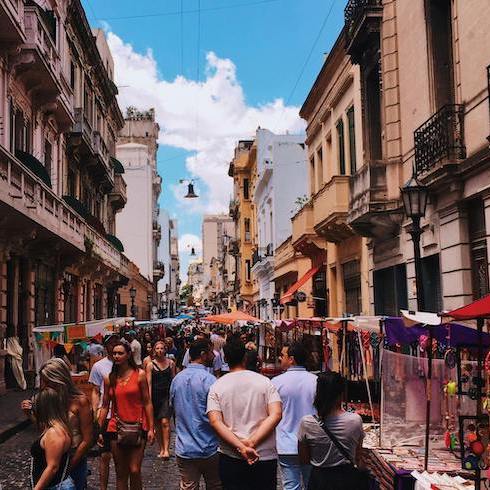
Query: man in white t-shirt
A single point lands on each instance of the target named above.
(135, 347)
(244, 409)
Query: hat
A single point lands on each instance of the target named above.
(110, 336)
(131, 332)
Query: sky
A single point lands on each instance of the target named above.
(214, 70)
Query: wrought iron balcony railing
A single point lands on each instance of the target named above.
(440, 138)
(256, 257)
(354, 11)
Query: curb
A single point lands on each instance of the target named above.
(14, 429)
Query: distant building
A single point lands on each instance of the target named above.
(173, 296)
(218, 233)
(138, 223)
(195, 273)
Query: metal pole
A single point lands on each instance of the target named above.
(479, 408)
(415, 234)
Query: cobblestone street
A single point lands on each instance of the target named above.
(15, 466)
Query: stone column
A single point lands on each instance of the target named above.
(455, 257)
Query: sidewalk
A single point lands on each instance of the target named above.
(12, 419)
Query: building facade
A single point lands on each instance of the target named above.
(173, 293)
(195, 279)
(278, 182)
(138, 223)
(60, 186)
(242, 213)
(218, 236)
(436, 124)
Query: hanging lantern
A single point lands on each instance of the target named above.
(190, 191)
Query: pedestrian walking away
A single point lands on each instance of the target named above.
(196, 444)
(131, 422)
(244, 409)
(332, 469)
(50, 453)
(99, 371)
(160, 372)
(297, 388)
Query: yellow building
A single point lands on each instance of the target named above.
(338, 256)
(240, 170)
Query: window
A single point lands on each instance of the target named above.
(45, 295)
(341, 143)
(20, 130)
(319, 168)
(246, 223)
(47, 156)
(312, 176)
(438, 13)
(246, 189)
(70, 297)
(352, 287)
(248, 270)
(431, 274)
(72, 183)
(478, 248)
(72, 75)
(320, 293)
(98, 301)
(352, 140)
(390, 290)
(373, 111)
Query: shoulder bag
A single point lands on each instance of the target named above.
(361, 476)
(128, 433)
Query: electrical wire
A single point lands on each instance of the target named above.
(182, 37)
(178, 12)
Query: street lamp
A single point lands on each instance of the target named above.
(132, 294)
(190, 189)
(415, 195)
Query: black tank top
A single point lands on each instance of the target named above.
(39, 464)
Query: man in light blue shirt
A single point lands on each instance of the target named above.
(196, 444)
(297, 388)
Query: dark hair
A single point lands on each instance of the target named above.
(299, 352)
(234, 352)
(329, 388)
(115, 367)
(59, 350)
(111, 339)
(198, 347)
(252, 360)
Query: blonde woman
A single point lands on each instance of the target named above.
(55, 374)
(159, 373)
(50, 453)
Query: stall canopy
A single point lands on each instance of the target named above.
(288, 296)
(478, 309)
(229, 318)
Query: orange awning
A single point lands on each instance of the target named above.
(229, 318)
(289, 293)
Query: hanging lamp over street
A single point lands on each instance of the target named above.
(190, 191)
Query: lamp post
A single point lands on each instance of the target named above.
(132, 294)
(414, 195)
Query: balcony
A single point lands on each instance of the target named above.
(101, 151)
(439, 143)
(304, 238)
(38, 64)
(118, 196)
(330, 208)
(362, 24)
(81, 135)
(157, 231)
(372, 211)
(234, 247)
(12, 22)
(158, 270)
(263, 260)
(234, 208)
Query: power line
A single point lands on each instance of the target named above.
(182, 37)
(195, 11)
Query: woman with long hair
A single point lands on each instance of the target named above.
(148, 354)
(55, 374)
(159, 373)
(332, 460)
(131, 422)
(50, 452)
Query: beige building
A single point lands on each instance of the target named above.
(424, 91)
(218, 234)
(60, 186)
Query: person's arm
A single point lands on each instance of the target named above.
(95, 398)
(173, 368)
(96, 380)
(246, 452)
(104, 409)
(267, 426)
(26, 406)
(148, 407)
(54, 450)
(86, 429)
(148, 371)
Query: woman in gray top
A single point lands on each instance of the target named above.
(331, 468)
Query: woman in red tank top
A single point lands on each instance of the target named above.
(126, 389)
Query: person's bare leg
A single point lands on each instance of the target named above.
(166, 437)
(159, 437)
(104, 467)
(135, 457)
(122, 464)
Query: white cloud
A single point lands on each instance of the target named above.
(206, 118)
(187, 241)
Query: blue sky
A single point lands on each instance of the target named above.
(205, 102)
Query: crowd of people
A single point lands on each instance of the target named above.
(233, 426)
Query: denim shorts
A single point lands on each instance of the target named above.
(66, 484)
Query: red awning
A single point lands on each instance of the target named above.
(478, 309)
(288, 296)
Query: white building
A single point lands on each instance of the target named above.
(280, 180)
(173, 294)
(138, 224)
